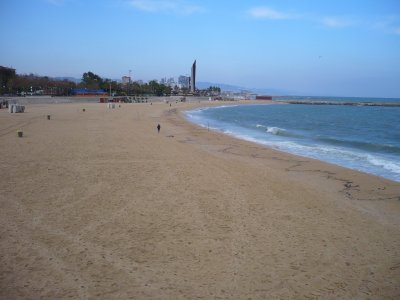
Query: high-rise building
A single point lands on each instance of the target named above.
(193, 78)
(171, 81)
(183, 81)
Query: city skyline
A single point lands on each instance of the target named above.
(333, 48)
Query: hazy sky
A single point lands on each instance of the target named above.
(315, 47)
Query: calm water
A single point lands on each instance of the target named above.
(358, 137)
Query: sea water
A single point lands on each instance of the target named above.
(364, 138)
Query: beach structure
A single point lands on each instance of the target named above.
(16, 108)
(88, 92)
(3, 103)
(263, 97)
(193, 78)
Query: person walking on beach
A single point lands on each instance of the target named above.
(158, 128)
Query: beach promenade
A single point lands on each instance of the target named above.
(97, 204)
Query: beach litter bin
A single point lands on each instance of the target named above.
(20, 133)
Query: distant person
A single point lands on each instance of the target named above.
(158, 128)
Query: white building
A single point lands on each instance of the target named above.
(126, 79)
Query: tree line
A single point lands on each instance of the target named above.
(30, 84)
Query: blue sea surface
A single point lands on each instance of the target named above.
(339, 99)
(364, 138)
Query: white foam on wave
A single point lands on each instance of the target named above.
(275, 130)
(336, 155)
(222, 106)
(373, 164)
(384, 163)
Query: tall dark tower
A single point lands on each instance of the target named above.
(193, 78)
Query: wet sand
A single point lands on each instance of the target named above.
(98, 205)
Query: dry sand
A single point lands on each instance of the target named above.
(98, 205)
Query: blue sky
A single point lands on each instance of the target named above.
(305, 47)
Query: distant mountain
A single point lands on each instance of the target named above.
(238, 89)
(272, 92)
(224, 87)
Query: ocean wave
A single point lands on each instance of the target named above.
(365, 146)
(375, 164)
(223, 106)
(385, 164)
(273, 130)
(276, 130)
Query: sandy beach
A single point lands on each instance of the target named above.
(96, 204)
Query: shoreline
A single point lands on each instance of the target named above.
(314, 168)
(248, 137)
(97, 204)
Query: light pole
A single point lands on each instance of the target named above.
(129, 84)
